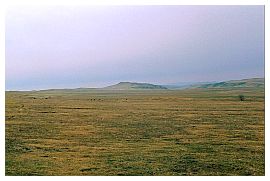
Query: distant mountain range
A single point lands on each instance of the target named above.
(244, 83)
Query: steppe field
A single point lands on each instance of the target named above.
(135, 132)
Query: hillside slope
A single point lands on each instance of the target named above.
(254, 82)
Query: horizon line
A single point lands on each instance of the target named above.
(72, 88)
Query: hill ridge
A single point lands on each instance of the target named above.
(134, 86)
(252, 82)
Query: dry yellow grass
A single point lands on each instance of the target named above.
(102, 132)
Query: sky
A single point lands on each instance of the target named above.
(95, 46)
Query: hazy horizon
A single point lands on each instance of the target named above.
(95, 46)
(114, 83)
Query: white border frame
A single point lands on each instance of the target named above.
(4, 4)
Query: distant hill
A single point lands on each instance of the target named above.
(134, 86)
(254, 82)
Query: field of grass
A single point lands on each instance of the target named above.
(151, 132)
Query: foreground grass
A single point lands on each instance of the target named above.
(187, 132)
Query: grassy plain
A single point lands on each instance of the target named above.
(150, 132)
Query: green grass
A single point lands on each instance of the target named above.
(154, 132)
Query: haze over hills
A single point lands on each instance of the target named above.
(134, 86)
(184, 85)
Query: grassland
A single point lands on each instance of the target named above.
(162, 132)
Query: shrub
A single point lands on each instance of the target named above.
(241, 97)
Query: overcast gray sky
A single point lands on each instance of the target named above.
(94, 46)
